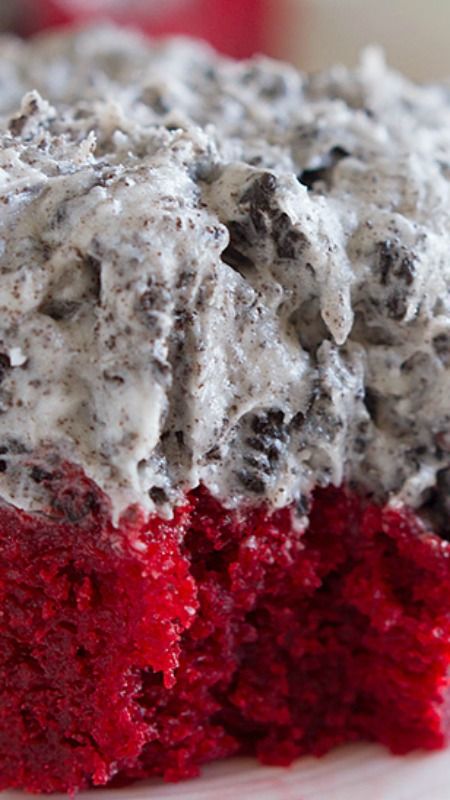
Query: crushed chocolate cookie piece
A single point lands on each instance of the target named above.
(5, 365)
(289, 240)
(158, 495)
(17, 124)
(60, 310)
(396, 306)
(238, 261)
(270, 424)
(252, 482)
(309, 177)
(371, 402)
(297, 422)
(394, 262)
(38, 474)
(214, 454)
(441, 345)
(3, 463)
(74, 505)
(259, 193)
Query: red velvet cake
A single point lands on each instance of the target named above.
(224, 415)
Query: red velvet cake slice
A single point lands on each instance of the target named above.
(224, 414)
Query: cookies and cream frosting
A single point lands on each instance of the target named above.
(221, 272)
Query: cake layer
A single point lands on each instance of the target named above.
(153, 648)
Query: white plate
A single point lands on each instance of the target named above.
(357, 772)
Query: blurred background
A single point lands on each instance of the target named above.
(311, 33)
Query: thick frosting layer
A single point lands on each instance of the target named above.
(221, 272)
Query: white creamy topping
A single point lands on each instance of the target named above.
(220, 272)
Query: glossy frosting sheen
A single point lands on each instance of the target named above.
(220, 272)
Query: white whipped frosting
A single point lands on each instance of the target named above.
(220, 272)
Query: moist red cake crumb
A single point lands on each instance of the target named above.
(156, 647)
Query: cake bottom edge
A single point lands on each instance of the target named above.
(159, 646)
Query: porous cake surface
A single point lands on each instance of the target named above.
(220, 272)
(156, 647)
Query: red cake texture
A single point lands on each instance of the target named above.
(156, 647)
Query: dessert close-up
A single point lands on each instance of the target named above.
(224, 409)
